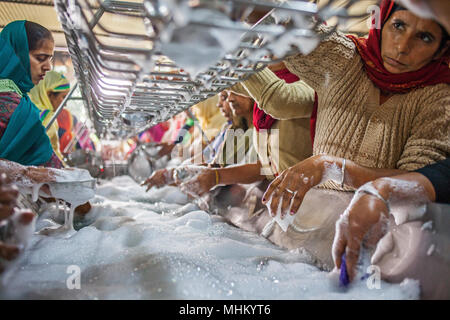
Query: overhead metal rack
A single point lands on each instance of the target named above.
(139, 63)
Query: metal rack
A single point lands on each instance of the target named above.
(132, 58)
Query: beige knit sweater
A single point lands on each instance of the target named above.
(288, 141)
(406, 132)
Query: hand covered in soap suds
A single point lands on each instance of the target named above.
(200, 184)
(166, 148)
(367, 215)
(364, 216)
(8, 197)
(293, 183)
(25, 174)
(159, 179)
(40, 174)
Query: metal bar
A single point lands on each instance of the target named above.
(97, 16)
(121, 70)
(61, 106)
(75, 138)
(48, 3)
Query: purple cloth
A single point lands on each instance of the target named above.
(343, 276)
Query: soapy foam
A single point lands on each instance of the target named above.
(405, 208)
(128, 250)
(331, 172)
(13, 171)
(287, 220)
(74, 186)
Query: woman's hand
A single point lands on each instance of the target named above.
(8, 201)
(21, 174)
(200, 184)
(159, 179)
(166, 148)
(293, 183)
(83, 209)
(40, 174)
(8, 197)
(363, 215)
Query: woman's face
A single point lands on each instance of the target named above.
(56, 98)
(408, 42)
(224, 106)
(40, 60)
(242, 106)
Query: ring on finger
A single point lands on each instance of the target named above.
(290, 191)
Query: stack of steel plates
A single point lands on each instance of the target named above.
(139, 63)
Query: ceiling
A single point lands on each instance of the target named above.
(43, 12)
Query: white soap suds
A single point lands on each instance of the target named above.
(331, 172)
(427, 225)
(403, 207)
(73, 186)
(410, 289)
(431, 250)
(128, 249)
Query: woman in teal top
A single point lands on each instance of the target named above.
(26, 49)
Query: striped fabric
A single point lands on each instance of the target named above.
(43, 114)
(62, 87)
(8, 104)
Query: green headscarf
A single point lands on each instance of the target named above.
(14, 56)
(24, 140)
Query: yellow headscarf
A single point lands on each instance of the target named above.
(209, 116)
(56, 82)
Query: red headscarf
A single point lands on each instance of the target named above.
(369, 49)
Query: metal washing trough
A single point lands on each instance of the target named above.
(119, 51)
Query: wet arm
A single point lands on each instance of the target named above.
(279, 99)
(247, 173)
(356, 175)
(387, 187)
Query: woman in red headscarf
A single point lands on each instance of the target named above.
(383, 110)
(383, 104)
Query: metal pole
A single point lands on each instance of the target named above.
(203, 133)
(98, 14)
(76, 137)
(61, 106)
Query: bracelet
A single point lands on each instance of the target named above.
(175, 175)
(217, 177)
(343, 173)
(376, 195)
(179, 174)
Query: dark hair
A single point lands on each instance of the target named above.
(445, 37)
(36, 34)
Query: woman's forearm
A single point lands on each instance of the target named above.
(279, 99)
(11, 168)
(356, 175)
(247, 173)
(413, 184)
